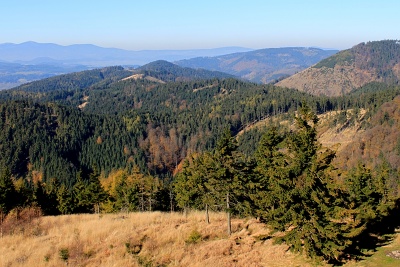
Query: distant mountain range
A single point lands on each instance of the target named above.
(264, 65)
(158, 71)
(14, 74)
(29, 61)
(377, 61)
(95, 56)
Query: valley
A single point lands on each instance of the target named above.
(306, 166)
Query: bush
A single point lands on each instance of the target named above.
(22, 221)
(194, 237)
(64, 254)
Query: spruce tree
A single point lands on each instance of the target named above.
(95, 192)
(65, 200)
(270, 165)
(8, 194)
(189, 185)
(226, 175)
(299, 200)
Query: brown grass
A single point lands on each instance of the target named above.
(144, 239)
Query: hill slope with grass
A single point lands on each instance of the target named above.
(153, 239)
(350, 69)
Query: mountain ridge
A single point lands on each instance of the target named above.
(89, 54)
(377, 61)
(262, 65)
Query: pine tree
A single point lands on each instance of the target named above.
(226, 174)
(95, 192)
(80, 195)
(65, 200)
(189, 186)
(366, 204)
(270, 165)
(215, 179)
(300, 199)
(8, 194)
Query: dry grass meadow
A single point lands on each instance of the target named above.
(143, 239)
(146, 239)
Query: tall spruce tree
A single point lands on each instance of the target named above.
(65, 200)
(189, 186)
(296, 181)
(270, 167)
(215, 179)
(227, 175)
(296, 191)
(95, 192)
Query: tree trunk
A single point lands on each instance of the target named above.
(150, 203)
(228, 214)
(171, 203)
(207, 215)
(142, 201)
(2, 217)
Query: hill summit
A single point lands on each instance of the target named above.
(169, 72)
(377, 61)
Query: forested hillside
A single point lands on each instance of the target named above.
(169, 72)
(165, 120)
(350, 69)
(49, 141)
(74, 81)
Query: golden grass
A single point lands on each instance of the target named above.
(145, 239)
(155, 239)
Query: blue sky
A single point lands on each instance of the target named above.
(186, 24)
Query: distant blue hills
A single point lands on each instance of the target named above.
(30, 61)
(95, 56)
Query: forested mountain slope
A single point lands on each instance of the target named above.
(264, 65)
(73, 81)
(162, 122)
(46, 141)
(378, 142)
(350, 69)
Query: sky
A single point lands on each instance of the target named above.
(200, 24)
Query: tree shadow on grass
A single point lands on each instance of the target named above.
(378, 234)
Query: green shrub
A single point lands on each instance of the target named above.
(194, 237)
(64, 254)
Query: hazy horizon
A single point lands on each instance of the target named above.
(184, 25)
(188, 49)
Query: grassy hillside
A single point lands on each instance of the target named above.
(154, 239)
(350, 69)
(144, 239)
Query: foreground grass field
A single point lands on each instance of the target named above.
(154, 239)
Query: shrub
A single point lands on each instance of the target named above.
(21, 220)
(64, 254)
(194, 237)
